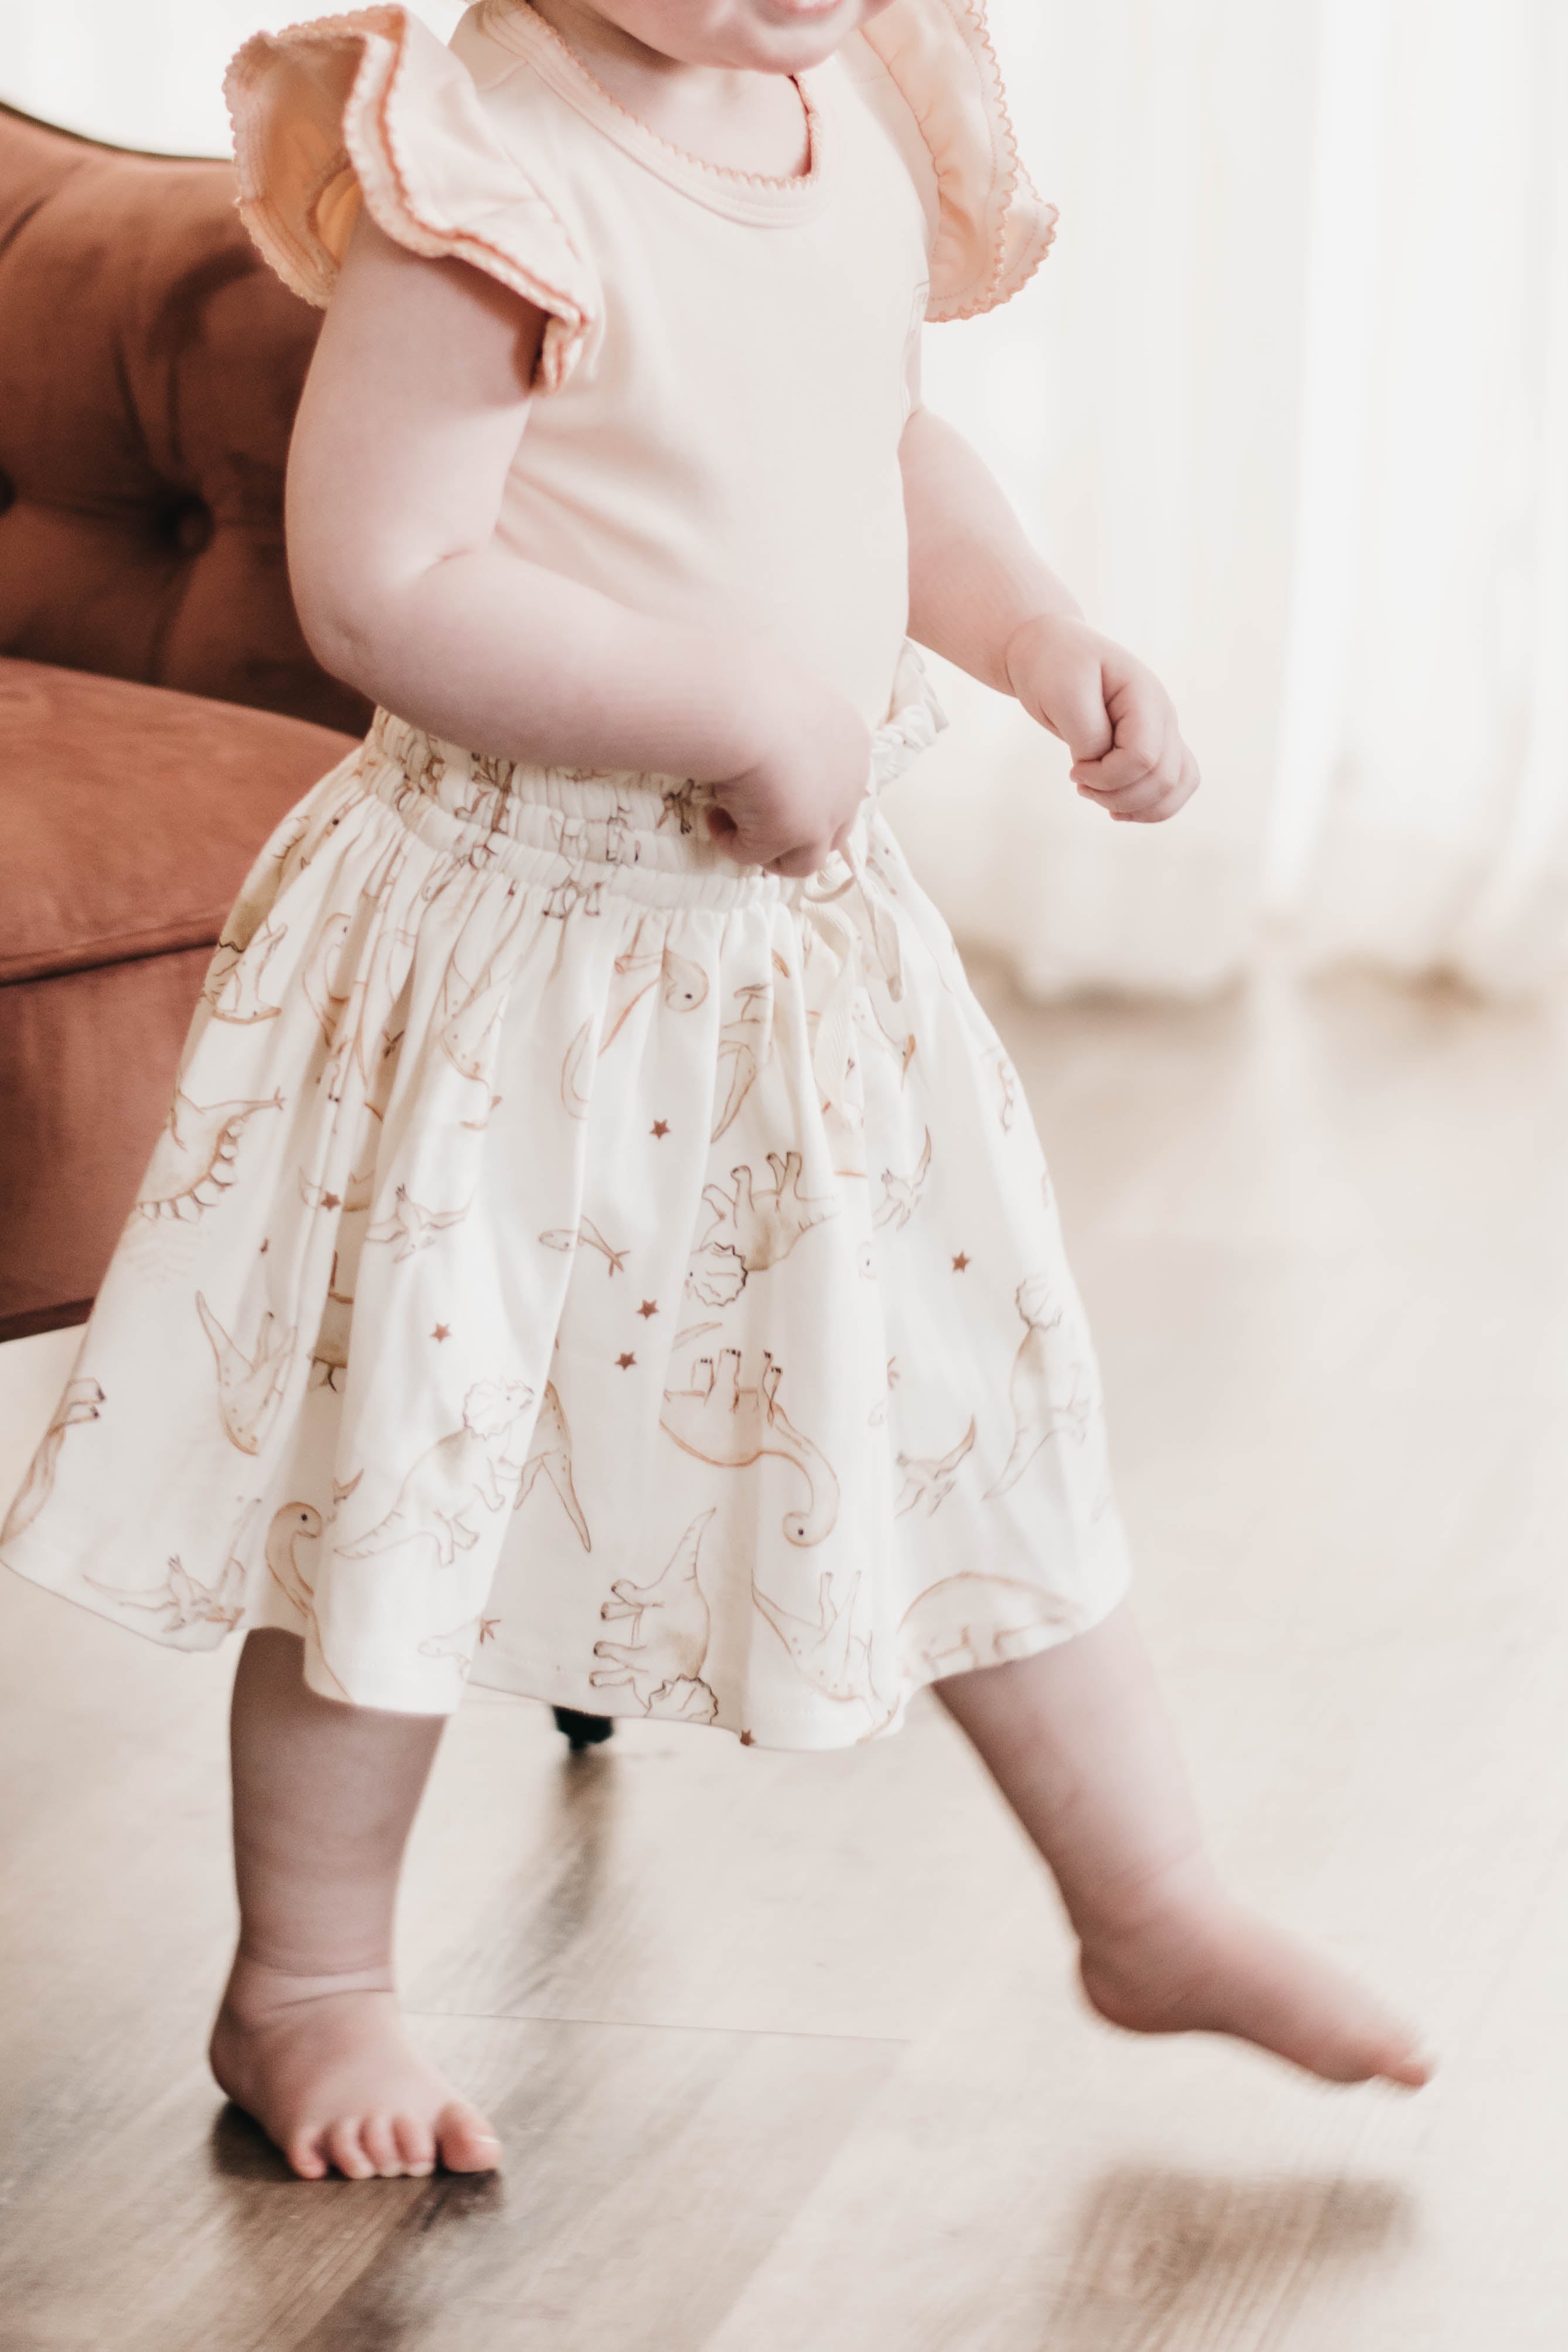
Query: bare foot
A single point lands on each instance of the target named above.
(332, 2079)
(1193, 1962)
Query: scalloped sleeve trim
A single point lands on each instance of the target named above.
(993, 229)
(373, 108)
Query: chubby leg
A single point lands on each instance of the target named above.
(1078, 1741)
(309, 2040)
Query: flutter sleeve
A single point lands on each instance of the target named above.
(993, 230)
(371, 109)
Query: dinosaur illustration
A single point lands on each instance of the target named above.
(232, 985)
(188, 1606)
(461, 1643)
(423, 767)
(683, 803)
(320, 976)
(493, 769)
(196, 1616)
(744, 1046)
(719, 1422)
(972, 1621)
(412, 1227)
(833, 1657)
(1049, 1397)
(900, 1194)
(470, 1468)
(875, 1030)
(471, 1008)
(360, 1041)
(549, 1450)
(573, 894)
(426, 765)
(632, 974)
(193, 1163)
(293, 1524)
(250, 1388)
(750, 1230)
(490, 781)
(715, 1274)
(281, 857)
(566, 1237)
(330, 1355)
(666, 1650)
(930, 1482)
(80, 1402)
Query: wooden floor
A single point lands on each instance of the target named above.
(786, 2048)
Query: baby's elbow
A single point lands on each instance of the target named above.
(347, 629)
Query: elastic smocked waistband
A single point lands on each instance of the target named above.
(575, 840)
(576, 831)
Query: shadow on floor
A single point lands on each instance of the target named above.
(1187, 2259)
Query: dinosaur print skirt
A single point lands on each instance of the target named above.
(578, 1263)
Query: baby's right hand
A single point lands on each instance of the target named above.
(794, 805)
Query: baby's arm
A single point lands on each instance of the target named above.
(979, 595)
(416, 402)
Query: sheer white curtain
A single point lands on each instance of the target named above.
(1144, 403)
(1289, 406)
(1435, 586)
(1290, 409)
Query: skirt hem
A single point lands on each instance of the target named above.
(545, 1690)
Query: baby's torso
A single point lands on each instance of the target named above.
(726, 450)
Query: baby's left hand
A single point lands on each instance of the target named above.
(1113, 714)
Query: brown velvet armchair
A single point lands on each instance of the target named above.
(159, 708)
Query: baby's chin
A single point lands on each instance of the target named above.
(784, 37)
(810, 29)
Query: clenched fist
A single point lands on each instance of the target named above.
(794, 802)
(1111, 711)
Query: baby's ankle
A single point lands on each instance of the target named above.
(259, 1987)
(1158, 1896)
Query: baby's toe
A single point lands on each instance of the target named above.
(1410, 2066)
(304, 2152)
(379, 2144)
(415, 2144)
(1371, 2046)
(466, 2140)
(343, 2147)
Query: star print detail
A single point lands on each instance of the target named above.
(626, 1363)
(960, 1263)
(441, 1331)
(748, 1740)
(265, 1247)
(487, 1630)
(661, 1127)
(649, 1306)
(330, 1200)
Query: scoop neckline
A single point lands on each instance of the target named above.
(743, 195)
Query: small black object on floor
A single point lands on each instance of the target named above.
(581, 1730)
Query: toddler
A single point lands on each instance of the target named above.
(598, 1245)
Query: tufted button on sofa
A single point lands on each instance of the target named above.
(159, 708)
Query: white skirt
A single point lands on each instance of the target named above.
(579, 1263)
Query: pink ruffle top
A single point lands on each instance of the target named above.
(728, 360)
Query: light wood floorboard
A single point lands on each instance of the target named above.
(786, 2047)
